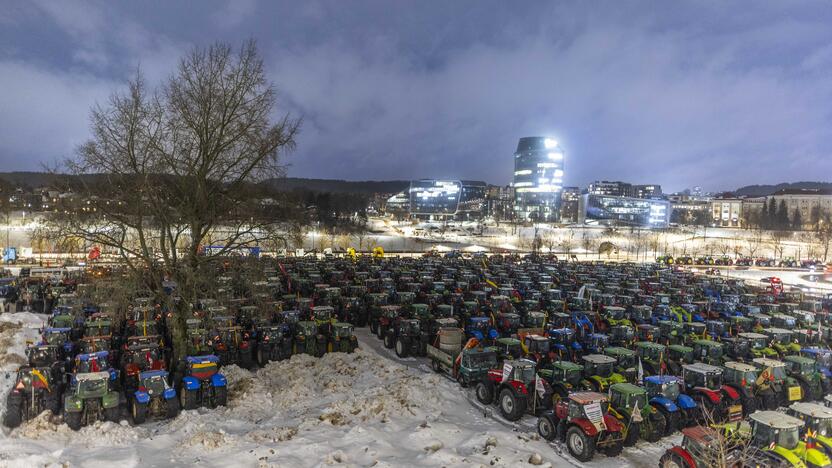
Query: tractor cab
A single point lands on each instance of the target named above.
(626, 361)
(647, 332)
(596, 342)
(507, 348)
(737, 348)
(43, 355)
(598, 364)
(666, 386)
(783, 321)
(534, 319)
(817, 419)
(480, 328)
(641, 314)
(621, 334)
(508, 323)
(780, 433)
(716, 329)
(536, 345)
(700, 375)
(670, 331)
(565, 372)
(708, 351)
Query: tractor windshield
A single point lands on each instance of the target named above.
(602, 369)
(640, 399)
(154, 385)
(343, 332)
(538, 346)
(823, 426)
(526, 374)
(572, 376)
(670, 390)
(627, 360)
(779, 373)
(482, 360)
(56, 339)
(788, 438)
(143, 356)
(97, 329)
(92, 386)
(535, 320)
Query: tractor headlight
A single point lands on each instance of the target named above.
(823, 432)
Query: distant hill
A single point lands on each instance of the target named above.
(763, 190)
(340, 186)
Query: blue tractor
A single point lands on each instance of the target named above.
(154, 397)
(62, 338)
(664, 393)
(202, 384)
(562, 342)
(595, 343)
(823, 358)
(480, 328)
(96, 362)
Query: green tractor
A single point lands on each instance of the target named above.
(90, 399)
(773, 375)
(693, 331)
(781, 434)
(621, 335)
(671, 333)
(782, 341)
(507, 349)
(652, 356)
(342, 339)
(308, 340)
(626, 362)
(678, 356)
(805, 370)
(709, 351)
(564, 377)
(743, 379)
(628, 403)
(599, 370)
(759, 345)
(612, 316)
(818, 419)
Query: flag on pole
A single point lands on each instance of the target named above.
(640, 372)
(636, 417)
(539, 386)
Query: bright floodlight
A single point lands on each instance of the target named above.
(550, 143)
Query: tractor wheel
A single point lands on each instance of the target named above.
(460, 379)
(632, 434)
(320, 348)
(485, 393)
(73, 419)
(374, 328)
(138, 411)
(658, 426)
(749, 404)
(579, 444)
(434, 364)
(613, 450)
(671, 460)
(261, 359)
(112, 414)
(401, 349)
(12, 417)
(172, 407)
(805, 391)
(769, 401)
(188, 398)
(672, 420)
(52, 402)
(389, 341)
(546, 427)
(220, 396)
(245, 359)
(512, 407)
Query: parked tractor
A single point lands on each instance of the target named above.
(626, 362)
(274, 343)
(628, 403)
(233, 345)
(342, 339)
(90, 399)
(514, 389)
(781, 434)
(677, 357)
(202, 384)
(703, 383)
(406, 337)
(665, 393)
(564, 377)
(583, 422)
(759, 344)
(35, 390)
(467, 364)
(702, 447)
(153, 397)
(744, 379)
(308, 340)
(652, 357)
(817, 419)
(807, 373)
(782, 341)
(774, 376)
(137, 359)
(599, 370)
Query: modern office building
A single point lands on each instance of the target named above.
(440, 199)
(570, 203)
(538, 179)
(624, 211)
(624, 189)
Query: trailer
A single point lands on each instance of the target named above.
(466, 364)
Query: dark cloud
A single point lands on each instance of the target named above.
(700, 93)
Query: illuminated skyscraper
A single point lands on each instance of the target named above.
(538, 179)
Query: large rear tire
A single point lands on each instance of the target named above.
(657, 428)
(172, 408)
(112, 414)
(401, 348)
(581, 446)
(138, 411)
(220, 396)
(671, 460)
(613, 450)
(12, 417)
(389, 341)
(73, 419)
(632, 434)
(546, 427)
(512, 406)
(485, 393)
(188, 398)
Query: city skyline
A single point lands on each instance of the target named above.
(690, 94)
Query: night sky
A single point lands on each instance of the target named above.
(718, 94)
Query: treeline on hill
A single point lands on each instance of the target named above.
(766, 190)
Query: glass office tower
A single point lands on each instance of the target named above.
(538, 179)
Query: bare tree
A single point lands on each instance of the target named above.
(175, 167)
(776, 239)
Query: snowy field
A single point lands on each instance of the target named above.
(362, 409)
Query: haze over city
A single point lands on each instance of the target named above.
(682, 94)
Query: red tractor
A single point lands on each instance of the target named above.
(514, 389)
(717, 402)
(583, 422)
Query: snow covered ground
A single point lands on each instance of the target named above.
(361, 409)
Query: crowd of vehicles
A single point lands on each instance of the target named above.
(603, 355)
